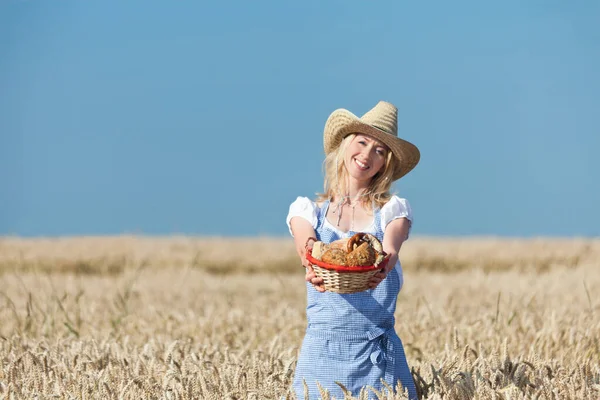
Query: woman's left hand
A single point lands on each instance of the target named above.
(380, 276)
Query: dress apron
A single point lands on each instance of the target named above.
(350, 338)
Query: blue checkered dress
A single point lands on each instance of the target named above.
(350, 338)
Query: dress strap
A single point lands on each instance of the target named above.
(325, 207)
(322, 213)
(377, 218)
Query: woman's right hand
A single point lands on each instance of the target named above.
(312, 278)
(303, 232)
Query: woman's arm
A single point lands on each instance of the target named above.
(302, 230)
(395, 234)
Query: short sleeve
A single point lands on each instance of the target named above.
(305, 208)
(396, 208)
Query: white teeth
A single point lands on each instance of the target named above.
(361, 164)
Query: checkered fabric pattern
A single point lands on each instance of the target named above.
(350, 338)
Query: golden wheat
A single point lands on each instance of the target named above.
(114, 255)
(193, 318)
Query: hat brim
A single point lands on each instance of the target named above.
(342, 123)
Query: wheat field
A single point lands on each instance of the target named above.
(218, 318)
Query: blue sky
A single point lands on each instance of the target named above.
(206, 118)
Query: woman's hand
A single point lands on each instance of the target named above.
(380, 276)
(303, 231)
(395, 234)
(310, 276)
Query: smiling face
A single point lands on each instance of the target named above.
(364, 157)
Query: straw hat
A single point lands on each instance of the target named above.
(380, 123)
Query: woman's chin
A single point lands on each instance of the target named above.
(361, 178)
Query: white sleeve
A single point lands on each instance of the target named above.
(396, 208)
(305, 208)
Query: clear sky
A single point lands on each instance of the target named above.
(206, 118)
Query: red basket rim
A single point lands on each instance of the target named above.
(343, 268)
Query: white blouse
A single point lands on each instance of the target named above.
(395, 208)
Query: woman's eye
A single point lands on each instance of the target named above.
(380, 152)
(362, 142)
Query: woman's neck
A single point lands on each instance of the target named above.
(356, 190)
(355, 196)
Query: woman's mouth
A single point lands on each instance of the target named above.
(361, 165)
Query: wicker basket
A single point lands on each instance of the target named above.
(343, 279)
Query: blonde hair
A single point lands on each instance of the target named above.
(336, 177)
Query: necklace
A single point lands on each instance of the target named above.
(340, 207)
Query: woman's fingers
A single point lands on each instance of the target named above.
(376, 279)
(310, 275)
(315, 281)
(312, 278)
(318, 284)
(379, 276)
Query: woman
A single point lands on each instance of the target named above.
(350, 338)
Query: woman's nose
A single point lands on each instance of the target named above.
(370, 151)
